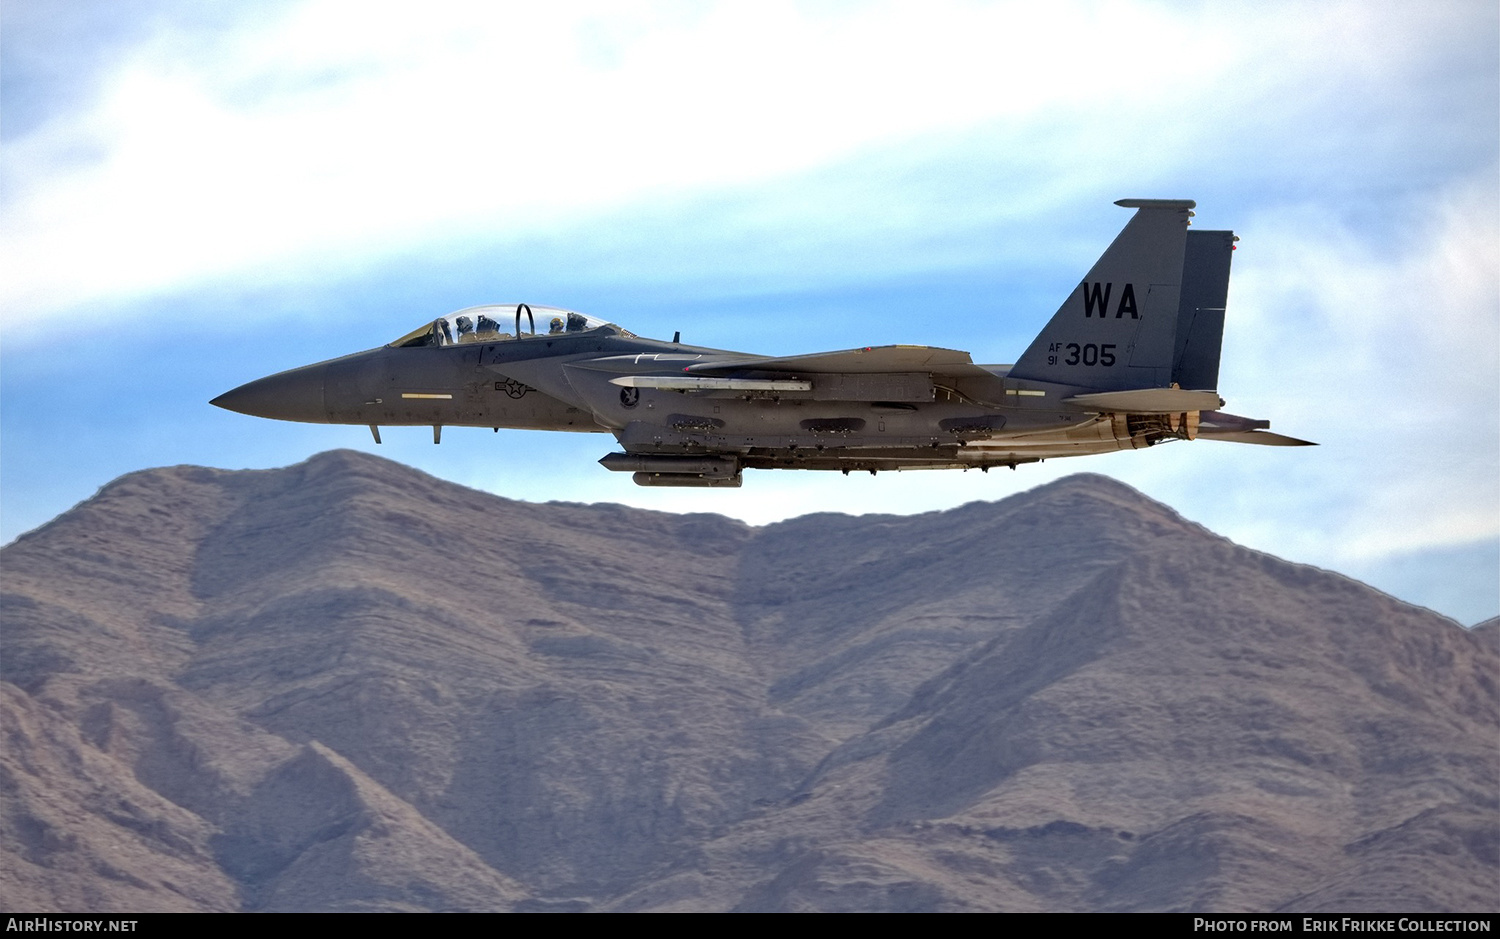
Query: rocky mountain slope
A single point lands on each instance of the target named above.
(346, 685)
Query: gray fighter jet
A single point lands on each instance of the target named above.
(1130, 360)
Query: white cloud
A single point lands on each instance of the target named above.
(1386, 354)
(335, 131)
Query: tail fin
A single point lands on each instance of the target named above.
(1118, 329)
(1200, 315)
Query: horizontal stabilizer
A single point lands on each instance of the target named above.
(1263, 437)
(708, 383)
(854, 361)
(1148, 401)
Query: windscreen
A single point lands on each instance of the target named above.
(499, 322)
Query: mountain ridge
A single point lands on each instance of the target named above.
(1071, 698)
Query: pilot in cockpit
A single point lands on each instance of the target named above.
(465, 329)
(556, 326)
(577, 322)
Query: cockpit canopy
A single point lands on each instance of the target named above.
(499, 322)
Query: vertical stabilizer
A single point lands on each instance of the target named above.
(1117, 329)
(1200, 315)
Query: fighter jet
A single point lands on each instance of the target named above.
(1130, 360)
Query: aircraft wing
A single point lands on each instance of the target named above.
(868, 360)
(877, 373)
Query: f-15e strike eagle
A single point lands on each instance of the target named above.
(1131, 359)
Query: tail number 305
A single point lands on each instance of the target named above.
(1088, 354)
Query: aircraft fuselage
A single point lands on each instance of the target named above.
(1129, 360)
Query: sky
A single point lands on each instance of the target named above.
(195, 195)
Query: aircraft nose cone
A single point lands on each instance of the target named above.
(295, 395)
